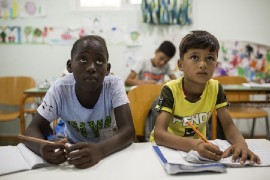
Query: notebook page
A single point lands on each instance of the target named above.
(30, 157)
(261, 147)
(11, 160)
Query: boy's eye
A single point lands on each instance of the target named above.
(83, 60)
(194, 57)
(99, 62)
(210, 58)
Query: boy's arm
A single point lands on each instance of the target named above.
(125, 134)
(40, 128)
(165, 138)
(132, 80)
(239, 147)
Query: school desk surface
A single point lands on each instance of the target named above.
(137, 161)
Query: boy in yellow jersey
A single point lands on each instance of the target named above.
(194, 97)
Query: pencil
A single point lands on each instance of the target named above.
(29, 138)
(198, 132)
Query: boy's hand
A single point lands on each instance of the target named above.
(83, 154)
(241, 151)
(209, 150)
(53, 153)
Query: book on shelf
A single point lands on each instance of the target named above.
(175, 161)
(19, 158)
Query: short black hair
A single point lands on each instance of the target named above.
(198, 40)
(83, 42)
(168, 48)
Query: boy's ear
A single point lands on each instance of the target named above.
(179, 64)
(108, 69)
(69, 66)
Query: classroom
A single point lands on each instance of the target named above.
(36, 37)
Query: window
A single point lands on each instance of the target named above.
(100, 3)
(80, 5)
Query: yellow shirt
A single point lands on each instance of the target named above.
(172, 100)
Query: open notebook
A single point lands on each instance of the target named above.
(175, 161)
(19, 158)
(261, 147)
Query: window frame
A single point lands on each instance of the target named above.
(125, 5)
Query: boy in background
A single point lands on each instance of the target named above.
(193, 98)
(153, 71)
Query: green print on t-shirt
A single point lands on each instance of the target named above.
(95, 127)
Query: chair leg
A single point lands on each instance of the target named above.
(267, 128)
(253, 127)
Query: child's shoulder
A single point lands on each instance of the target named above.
(111, 78)
(213, 82)
(65, 80)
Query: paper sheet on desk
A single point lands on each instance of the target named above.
(261, 147)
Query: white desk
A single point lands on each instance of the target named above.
(136, 162)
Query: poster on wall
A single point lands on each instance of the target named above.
(63, 35)
(247, 59)
(35, 35)
(32, 8)
(10, 35)
(8, 9)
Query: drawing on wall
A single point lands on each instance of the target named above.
(133, 36)
(246, 59)
(8, 9)
(35, 35)
(167, 12)
(95, 26)
(22, 8)
(10, 34)
(64, 35)
(32, 8)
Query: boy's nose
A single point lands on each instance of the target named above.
(202, 64)
(91, 67)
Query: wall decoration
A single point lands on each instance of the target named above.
(64, 35)
(8, 9)
(35, 35)
(10, 34)
(32, 8)
(247, 59)
(167, 12)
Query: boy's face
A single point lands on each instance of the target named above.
(198, 65)
(160, 59)
(90, 66)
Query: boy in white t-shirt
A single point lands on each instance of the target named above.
(93, 104)
(153, 71)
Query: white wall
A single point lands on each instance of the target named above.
(246, 20)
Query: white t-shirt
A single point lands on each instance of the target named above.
(146, 71)
(82, 124)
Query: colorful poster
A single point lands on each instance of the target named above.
(238, 58)
(10, 35)
(32, 8)
(8, 9)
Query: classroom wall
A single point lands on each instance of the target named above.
(245, 20)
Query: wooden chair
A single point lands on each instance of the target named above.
(141, 99)
(242, 112)
(11, 93)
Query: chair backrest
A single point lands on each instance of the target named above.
(141, 99)
(233, 80)
(12, 88)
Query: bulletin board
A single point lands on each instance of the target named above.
(247, 59)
